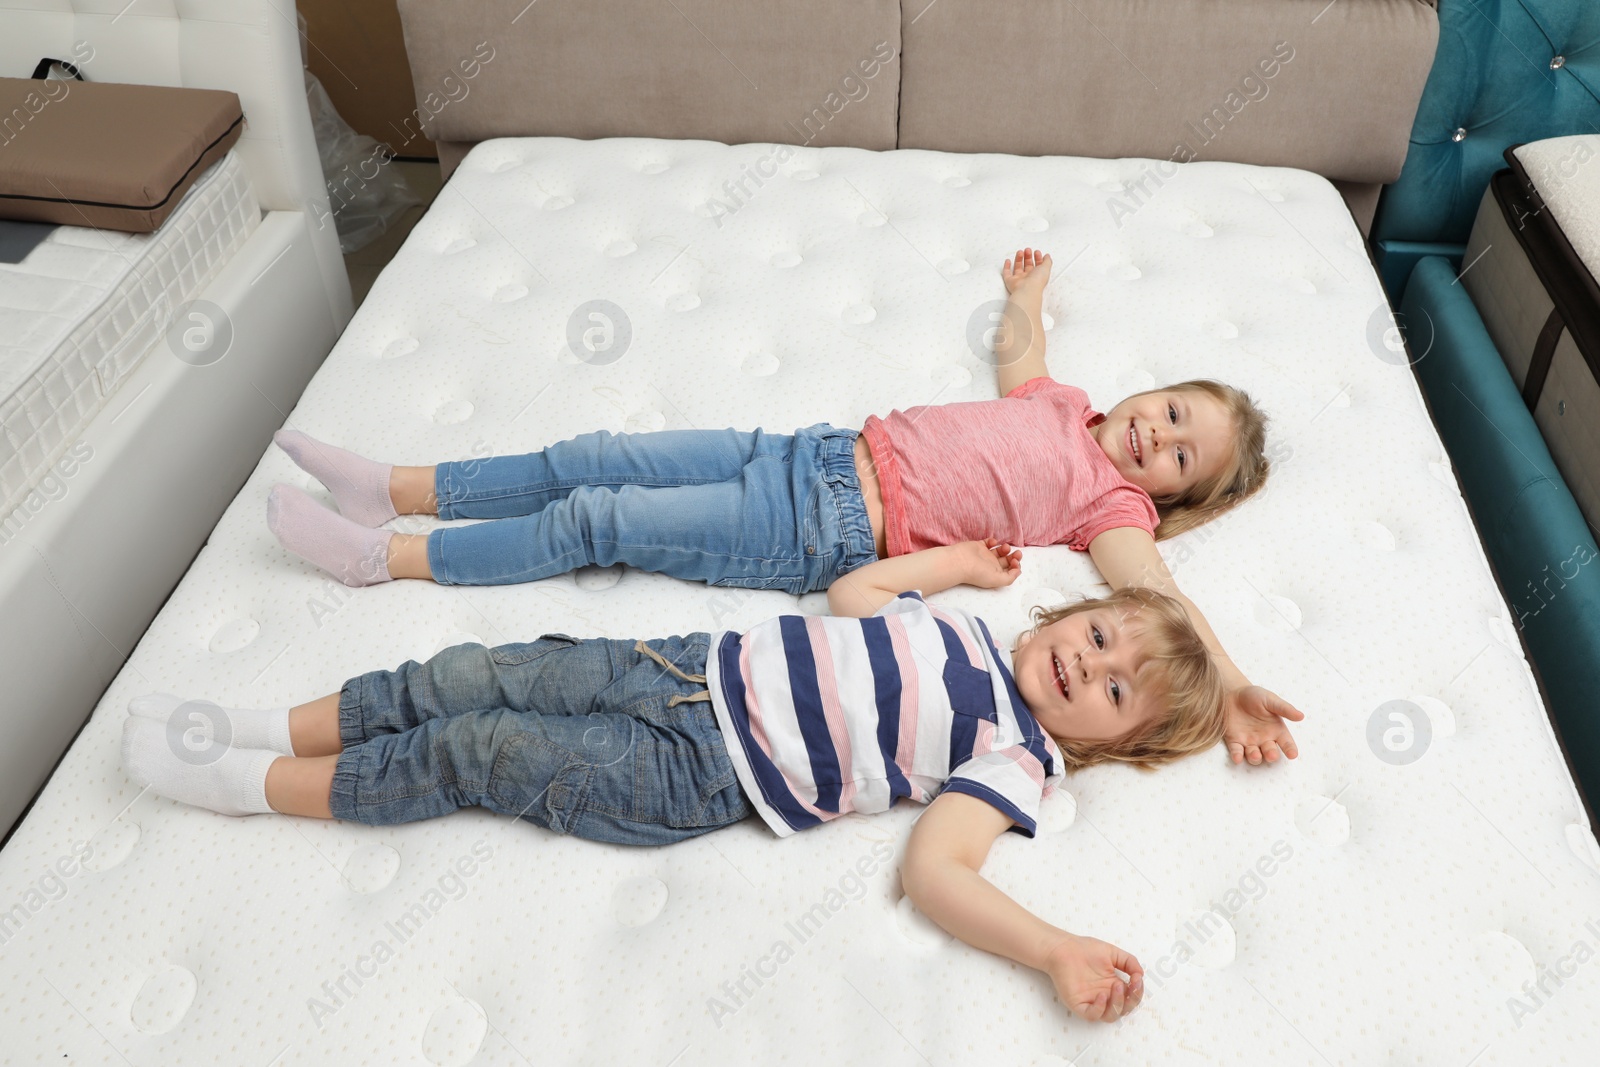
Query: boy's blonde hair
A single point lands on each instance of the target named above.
(1176, 666)
(1245, 472)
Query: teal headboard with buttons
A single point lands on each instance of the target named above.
(1506, 71)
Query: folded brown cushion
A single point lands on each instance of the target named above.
(114, 156)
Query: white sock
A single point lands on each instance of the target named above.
(187, 768)
(266, 728)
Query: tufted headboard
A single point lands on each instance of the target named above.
(250, 47)
(1330, 87)
(1507, 71)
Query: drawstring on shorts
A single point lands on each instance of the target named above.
(704, 694)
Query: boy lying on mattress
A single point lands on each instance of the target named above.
(1038, 466)
(799, 719)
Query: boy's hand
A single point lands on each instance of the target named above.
(1253, 726)
(1028, 274)
(1085, 973)
(991, 564)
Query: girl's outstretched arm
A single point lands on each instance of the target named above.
(948, 845)
(1019, 346)
(1255, 730)
(987, 564)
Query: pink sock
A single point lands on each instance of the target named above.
(352, 553)
(359, 485)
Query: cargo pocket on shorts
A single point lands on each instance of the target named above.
(541, 782)
(520, 652)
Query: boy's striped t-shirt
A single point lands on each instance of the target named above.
(825, 715)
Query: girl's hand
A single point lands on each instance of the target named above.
(1085, 973)
(1254, 728)
(1028, 274)
(992, 564)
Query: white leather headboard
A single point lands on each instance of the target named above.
(248, 46)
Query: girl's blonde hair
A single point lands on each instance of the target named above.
(1245, 472)
(1176, 665)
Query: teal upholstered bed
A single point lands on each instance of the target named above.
(1506, 72)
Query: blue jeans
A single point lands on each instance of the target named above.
(596, 738)
(755, 510)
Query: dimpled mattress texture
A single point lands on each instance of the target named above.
(1419, 887)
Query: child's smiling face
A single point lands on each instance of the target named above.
(1167, 441)
(1078, 676)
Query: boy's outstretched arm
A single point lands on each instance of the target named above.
(1019, 344)
(987, 564)
(1255, 730)
(948, 845)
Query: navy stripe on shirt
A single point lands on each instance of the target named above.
(963, 725)
(1032, 732)
(887, 695)
(774, 790)
(809, 716)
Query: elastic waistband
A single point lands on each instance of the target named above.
(836, 456)
(836, 464)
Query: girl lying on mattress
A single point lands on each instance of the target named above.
(794, 511)
(799, 719)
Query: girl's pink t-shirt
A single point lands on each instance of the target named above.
(1023, 468)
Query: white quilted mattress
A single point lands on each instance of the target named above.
(81, 311)
(1395, 896)
(1569, 188)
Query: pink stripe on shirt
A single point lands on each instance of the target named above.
(832, 710)
(906, 746)
(1033, 768)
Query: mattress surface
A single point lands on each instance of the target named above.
(1420, 887)
(85, 306)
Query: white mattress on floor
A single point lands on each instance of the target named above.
(84, 308)
(1367, 911)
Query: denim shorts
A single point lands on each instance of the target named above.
(614, 741)
(748, 509)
